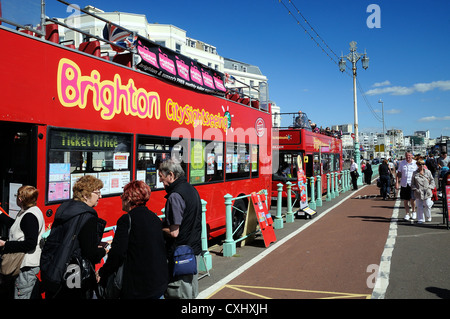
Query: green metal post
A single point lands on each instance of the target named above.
(349, 180)
(332, 186)
(328, 198)
(278, 222)
(229, 246)
(289, 213)
(319, 191)
(345, 180)
(312, 203)
(336, 184)
(207, 256)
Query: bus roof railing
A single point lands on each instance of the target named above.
(299, 120)
(90, 35)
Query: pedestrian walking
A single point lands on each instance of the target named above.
(25, 233)
(422, 184)
(385, 179)
(443, 160)
(431, 165)
(354, 173)
(77, 213)
(368, 173)
(404, 174)
(182, 226)
(141, 250)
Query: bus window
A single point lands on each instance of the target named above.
(237, 162)
(288, 166)
(331, 157)
(206, 162)
(75, 153)
(326, 163)
(151, 150)
(337, 160)
(254, 160)
(316, 167)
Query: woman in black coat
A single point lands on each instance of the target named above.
(368, 173)
(145, 274)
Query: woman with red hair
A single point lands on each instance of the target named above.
(139, 246)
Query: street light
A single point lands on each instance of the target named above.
(353, 57)
(384, 136)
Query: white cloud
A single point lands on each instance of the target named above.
(403, 90)
(384, 83)
(434, 118)
(391, 111)
(393, 90)
(424, 87)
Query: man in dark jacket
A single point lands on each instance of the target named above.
(182, 226)
(385, 179)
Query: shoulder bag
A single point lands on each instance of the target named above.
(185, 262)
(11, 263)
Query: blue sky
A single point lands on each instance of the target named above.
(409, 53)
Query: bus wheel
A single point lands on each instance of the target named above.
(239, 213)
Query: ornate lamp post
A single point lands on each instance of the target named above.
(353, 57)
(384, 135)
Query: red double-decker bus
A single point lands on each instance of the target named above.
(296, 144)
(67, 111)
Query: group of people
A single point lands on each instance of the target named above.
(415, 178)
(302, 121)
(326, 131)
(142, 243)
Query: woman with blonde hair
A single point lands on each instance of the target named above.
(422, 184)
(76, 216)
(24, 236)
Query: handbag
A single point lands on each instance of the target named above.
(185, 262)
(115, 281)
(79, 273)
(11, 263)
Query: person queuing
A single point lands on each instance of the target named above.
(86, 194)
(25, 233)
(145, 274)
(405, 171)
(182, 226)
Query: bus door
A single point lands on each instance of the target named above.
(308, 162)
(18, 163)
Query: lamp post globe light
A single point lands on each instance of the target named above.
(353, 57)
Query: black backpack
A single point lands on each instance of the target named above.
(58, 251)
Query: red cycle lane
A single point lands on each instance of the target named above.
(335, 257)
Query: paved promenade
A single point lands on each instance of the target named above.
(357, 247)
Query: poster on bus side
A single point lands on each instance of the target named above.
(301, 182)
